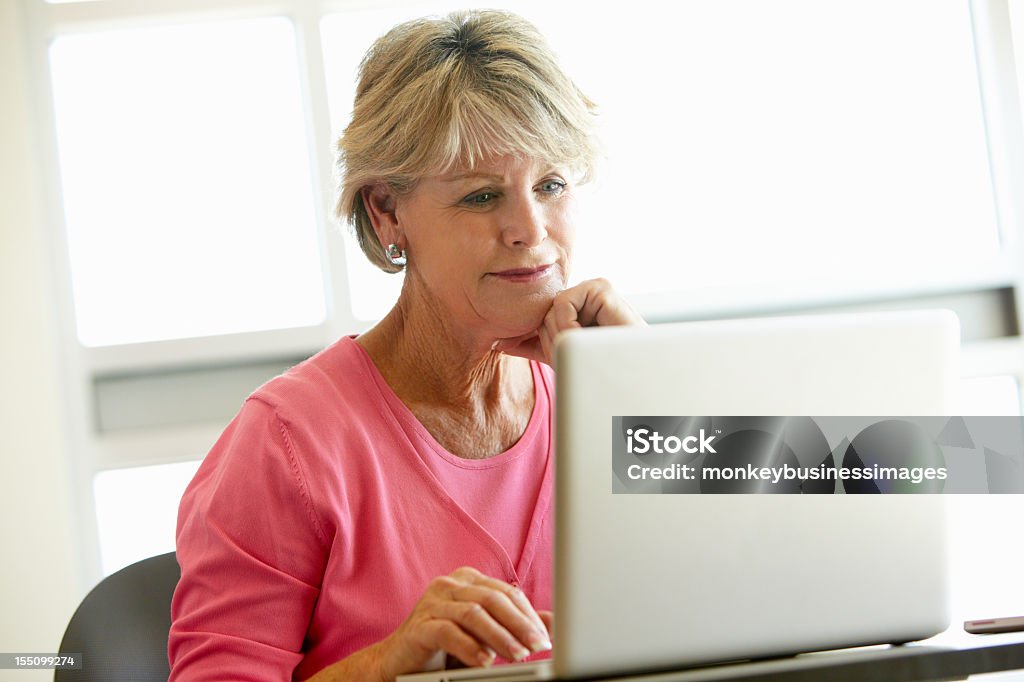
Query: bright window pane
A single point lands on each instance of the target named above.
(798, 141)
(186, 181)
(137, 511)
(789, 143)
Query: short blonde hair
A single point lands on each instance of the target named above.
(437, 93)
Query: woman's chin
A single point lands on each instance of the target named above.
(520, 307)
(523, 319)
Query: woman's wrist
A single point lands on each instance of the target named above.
(365, 665)
(378, 658)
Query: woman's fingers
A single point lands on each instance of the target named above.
(505, 603)
(591, 303)
(511, 606)
(471, 616)
(453, 639)
(483, 626)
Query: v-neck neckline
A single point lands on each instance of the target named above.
(413, 428)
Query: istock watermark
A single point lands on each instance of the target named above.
(817, 455)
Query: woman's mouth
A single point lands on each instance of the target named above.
(523, 274)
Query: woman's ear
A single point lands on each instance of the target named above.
(379, 201)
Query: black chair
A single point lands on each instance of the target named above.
(121, 626)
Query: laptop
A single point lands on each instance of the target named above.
(653, 582)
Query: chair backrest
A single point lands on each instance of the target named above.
(121, 626)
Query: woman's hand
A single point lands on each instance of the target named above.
(588, 304)
(472, 617)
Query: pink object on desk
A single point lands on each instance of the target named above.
(994, 625)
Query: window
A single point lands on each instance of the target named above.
(132, 508)
(186, 181)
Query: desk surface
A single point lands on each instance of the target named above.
(945, 657)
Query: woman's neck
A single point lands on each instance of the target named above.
(428, 361)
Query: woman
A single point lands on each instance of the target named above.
(388, 501)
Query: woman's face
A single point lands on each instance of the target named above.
(491, 245)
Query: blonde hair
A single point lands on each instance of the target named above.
(440, 93)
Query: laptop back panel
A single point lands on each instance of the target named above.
(648, 582)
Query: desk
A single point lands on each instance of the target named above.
(939, 658)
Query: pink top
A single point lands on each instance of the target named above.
(325, 508)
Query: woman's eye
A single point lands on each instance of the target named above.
(480, 199)
(552, 186)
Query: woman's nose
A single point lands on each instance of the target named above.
(525, 224)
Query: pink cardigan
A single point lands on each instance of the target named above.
(315, 523)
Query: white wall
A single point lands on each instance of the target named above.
(38, 590)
